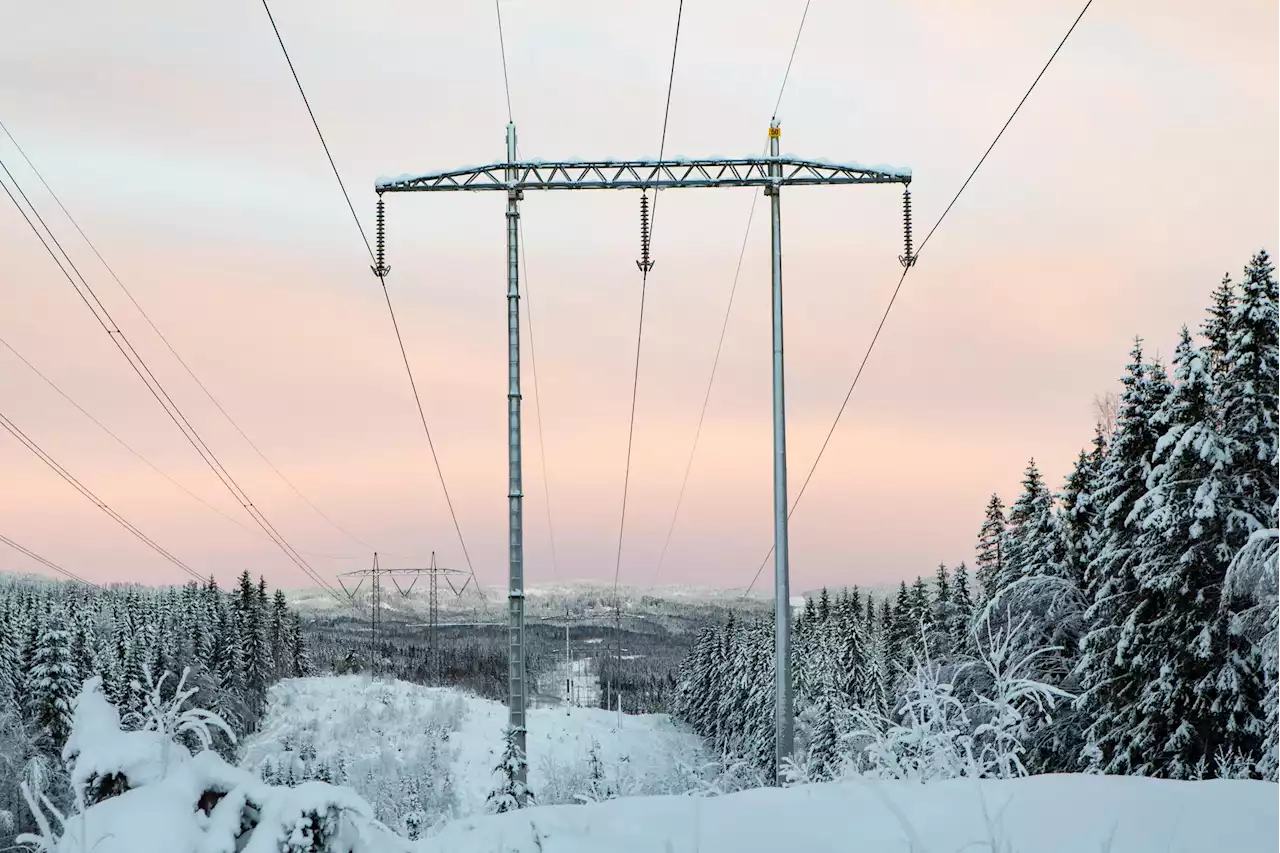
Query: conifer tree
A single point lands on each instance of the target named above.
(1217, 327)
(824, 751)
(1199, 695)
(81, 651)
(1108, 685)
(8, 666)
(1031, 537)
(53, 683)
(962, 602)
(509, 793)
(1248, 395)
(1078, 510)
(256, 646)
(990, 561)
(280, 651)
(300, 658)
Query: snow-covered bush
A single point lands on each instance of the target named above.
(393, 743)
(936, 734)
(141, 792)
(510, 790)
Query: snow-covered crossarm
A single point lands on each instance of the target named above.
(644, 174)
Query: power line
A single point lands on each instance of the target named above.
(385, 292)
(907, 268)
(787, 75)
(33, 555)
(44, 457)
(727, 312)
(528, 309)
(174, 351)
(502, 45)
(316, 124)
(537, 396)
(139, 366)
(118, 439)
(706, 398)
(635, 381)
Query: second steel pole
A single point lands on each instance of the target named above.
(783, 722)
(517, 696)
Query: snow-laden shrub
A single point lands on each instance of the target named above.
(157, 797)
(393, 746)
(936, 734)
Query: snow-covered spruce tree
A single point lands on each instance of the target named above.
(9, 665)
(1247, 394)
(1253, 585)
(1078, 510)
(1032, 542)
(824, 748)
(990, 549)
(962, 600)
(1108, 685)
(53, 683)
(943, 611)
(1201, 685)
(1217, 327)
(296, 641)
(509, 793)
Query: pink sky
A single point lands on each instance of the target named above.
(1143, 167)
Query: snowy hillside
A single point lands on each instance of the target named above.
(430, 752)
(1043, 814)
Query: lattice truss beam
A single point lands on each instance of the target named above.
(644, 174)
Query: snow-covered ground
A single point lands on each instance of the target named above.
(173, 802)
(401, 743)
(1042, 814)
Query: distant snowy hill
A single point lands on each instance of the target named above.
(1041, 814)
(582, 599)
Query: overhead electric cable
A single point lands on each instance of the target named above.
(697, 434)
(385, 292)
(804, 16)
(200, 384)
(537, 396)
(119, 440)
(139, 366)
(907, 268)
(48, 460)
(33, 555)
(635, 380)
(502, 45)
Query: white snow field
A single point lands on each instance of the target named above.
(403, 745)
(1042, 814)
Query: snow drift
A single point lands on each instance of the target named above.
(1040, 814)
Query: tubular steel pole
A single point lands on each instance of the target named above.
(783, 734)
(516, 691)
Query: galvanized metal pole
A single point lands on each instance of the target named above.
(517, 697)
(783, 734)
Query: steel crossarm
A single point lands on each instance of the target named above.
(644, 174)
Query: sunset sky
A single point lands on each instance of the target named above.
(1143, 167)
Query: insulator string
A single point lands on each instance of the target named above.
(908, 258)
(380, 268)
(644, 264)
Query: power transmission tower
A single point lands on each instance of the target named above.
(433, 573)
(771, 172)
